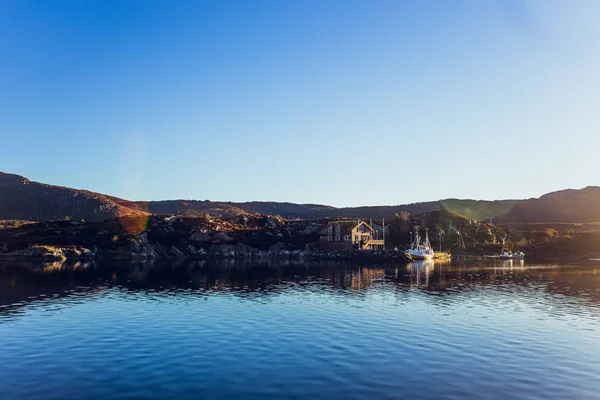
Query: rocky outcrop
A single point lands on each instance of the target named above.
(156, 237)
(50, 253)
(42, 253)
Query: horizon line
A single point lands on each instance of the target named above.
(301, 204)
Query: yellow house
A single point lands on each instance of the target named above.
(349, 234)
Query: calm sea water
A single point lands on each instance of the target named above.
(193, 331)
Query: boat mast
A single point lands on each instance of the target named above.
(383, 229)
(417, 239)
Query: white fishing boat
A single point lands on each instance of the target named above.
(418, 250)
(518, 255)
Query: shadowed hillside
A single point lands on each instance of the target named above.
(447, 230)
(581, 206)
(192, 208)
(21, 199)
(195, 208)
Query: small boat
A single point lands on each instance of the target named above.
(418, 250)
(492, 255)
(518, 255)
(506, 255)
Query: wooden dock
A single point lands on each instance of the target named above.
(442, 255)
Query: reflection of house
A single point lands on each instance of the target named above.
(346, 235)
(366, 277)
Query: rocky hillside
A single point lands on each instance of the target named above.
(191, 208)
(448, 231)
(580, 206)
(21, 199)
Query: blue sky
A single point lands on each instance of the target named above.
(338, 102)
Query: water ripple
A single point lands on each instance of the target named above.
(323, 331)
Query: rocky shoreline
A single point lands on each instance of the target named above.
(237, 252)
(175, 237)
(247, 237)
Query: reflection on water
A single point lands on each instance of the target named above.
(491, 329)
(420, 271)
(21, 284)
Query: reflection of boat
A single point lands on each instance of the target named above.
(426, 264)
(421, 269)
(418, 250)
(505, 263)
(518, 255)
(509, 264)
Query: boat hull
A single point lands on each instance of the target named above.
(420, 255)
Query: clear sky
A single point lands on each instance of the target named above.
(338, 102)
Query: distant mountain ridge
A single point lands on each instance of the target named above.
(23, 199)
